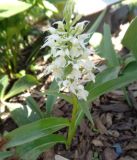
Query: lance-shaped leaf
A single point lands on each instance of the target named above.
(64, 96)
(104, 76)
(96, 24)
(4, 81)
(86, 110)
(51, 99)
(36, 147)
(130, 38)
(5, 154)
(21, 85)
(34, 107)
(35, 130)
(106, 48)
(121, 81)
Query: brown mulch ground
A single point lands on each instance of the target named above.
(113, 138)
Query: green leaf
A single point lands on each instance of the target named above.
(1, 89)
(21, 85)
(35, 130)
(130, 67)
(130, 38)
(36, 147)
(19, 113)
(4, 81)
(56, 1)
(5, 154)
(96, 24)
(34, 107)
(51, 99)
(23, 114)
(62, 95)
(86, 110)
(128, 60)
(9, 8)
(107, 74)
(104, 76)
(79, 117)
(106, 48)
(108, 86)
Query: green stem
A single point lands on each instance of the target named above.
(72, 127)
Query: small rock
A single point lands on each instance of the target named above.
(58, 157)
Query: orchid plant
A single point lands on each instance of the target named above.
(72, 64)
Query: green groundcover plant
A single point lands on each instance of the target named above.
(74, 81)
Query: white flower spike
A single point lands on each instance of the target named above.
(72, 66)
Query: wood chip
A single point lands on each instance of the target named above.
(114, 133)
(49, 155)
(126, 158)
(97, 143)
(100, 126)
(109, 154)
(109, 117)
(121, 107)
(131, 146)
